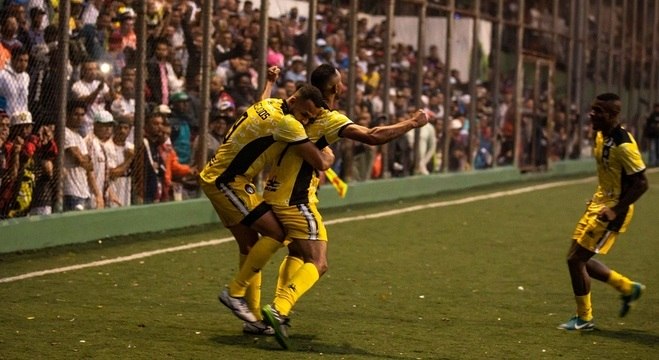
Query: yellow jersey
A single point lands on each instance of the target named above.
(616, 155)
(291, 180)
(262, 132)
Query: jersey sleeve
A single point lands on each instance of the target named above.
(336, 122)
(289, 130)
(631, 158)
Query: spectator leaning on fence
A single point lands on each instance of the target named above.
(175, 171)
(120, 154)
(78, 168)
(46, 183)
(103, 126)
(154, 167)
(20, 147)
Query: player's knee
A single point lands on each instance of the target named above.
(277, 234)
(295, 252)
(322, 267)
(280, 236)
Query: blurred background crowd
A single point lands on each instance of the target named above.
(481, 115)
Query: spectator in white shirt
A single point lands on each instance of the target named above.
(93, 91)
(15, 82)
(96, 143)
(79, 183)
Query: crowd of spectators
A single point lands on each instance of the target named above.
(99, 147)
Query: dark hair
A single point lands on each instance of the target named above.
(74, 104)
(162, 40)
(608, 97)
(308, 92)
(322, 75)
(613, 102)
(19, 51)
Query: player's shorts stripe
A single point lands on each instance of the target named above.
(602, 240)
(233, 198)
(256, 214)
(312, 225)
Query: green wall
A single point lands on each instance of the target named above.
(38, 232)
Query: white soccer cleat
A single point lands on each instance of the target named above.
(238, 306)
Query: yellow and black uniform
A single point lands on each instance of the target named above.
(617, 156)
(261, 133)
(292, 182)
(291, 191)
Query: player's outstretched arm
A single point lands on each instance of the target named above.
(382, 134)
(319, 159)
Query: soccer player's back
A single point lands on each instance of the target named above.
(263, 127)
(292, 181)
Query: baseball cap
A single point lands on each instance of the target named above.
(162, 109)
(103, 117)
(295, 58)
(127, 13)
(321, 42)
(224, 105)
(179, 96)
(456, 124)
(20, 118)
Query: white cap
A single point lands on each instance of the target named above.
(20, 118)
(103, 117)
(162, 109)
(321, 42)
(456, 124)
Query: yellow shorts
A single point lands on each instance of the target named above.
(599, 236)
(235, 202)
(302, 222)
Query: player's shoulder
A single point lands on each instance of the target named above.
(272, 105)
(333, 117)
(621, 136)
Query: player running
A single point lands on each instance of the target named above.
(622, 181)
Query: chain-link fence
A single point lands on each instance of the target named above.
(124, 102)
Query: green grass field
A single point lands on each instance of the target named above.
(482, 279)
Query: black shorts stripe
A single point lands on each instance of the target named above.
(256, 214)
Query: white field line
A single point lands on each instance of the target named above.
(330, 222)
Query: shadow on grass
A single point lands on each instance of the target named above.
(298, 343)
(637, 336)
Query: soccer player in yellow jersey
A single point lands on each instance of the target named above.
(262, 132)
(622, 181)
(291, 191)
